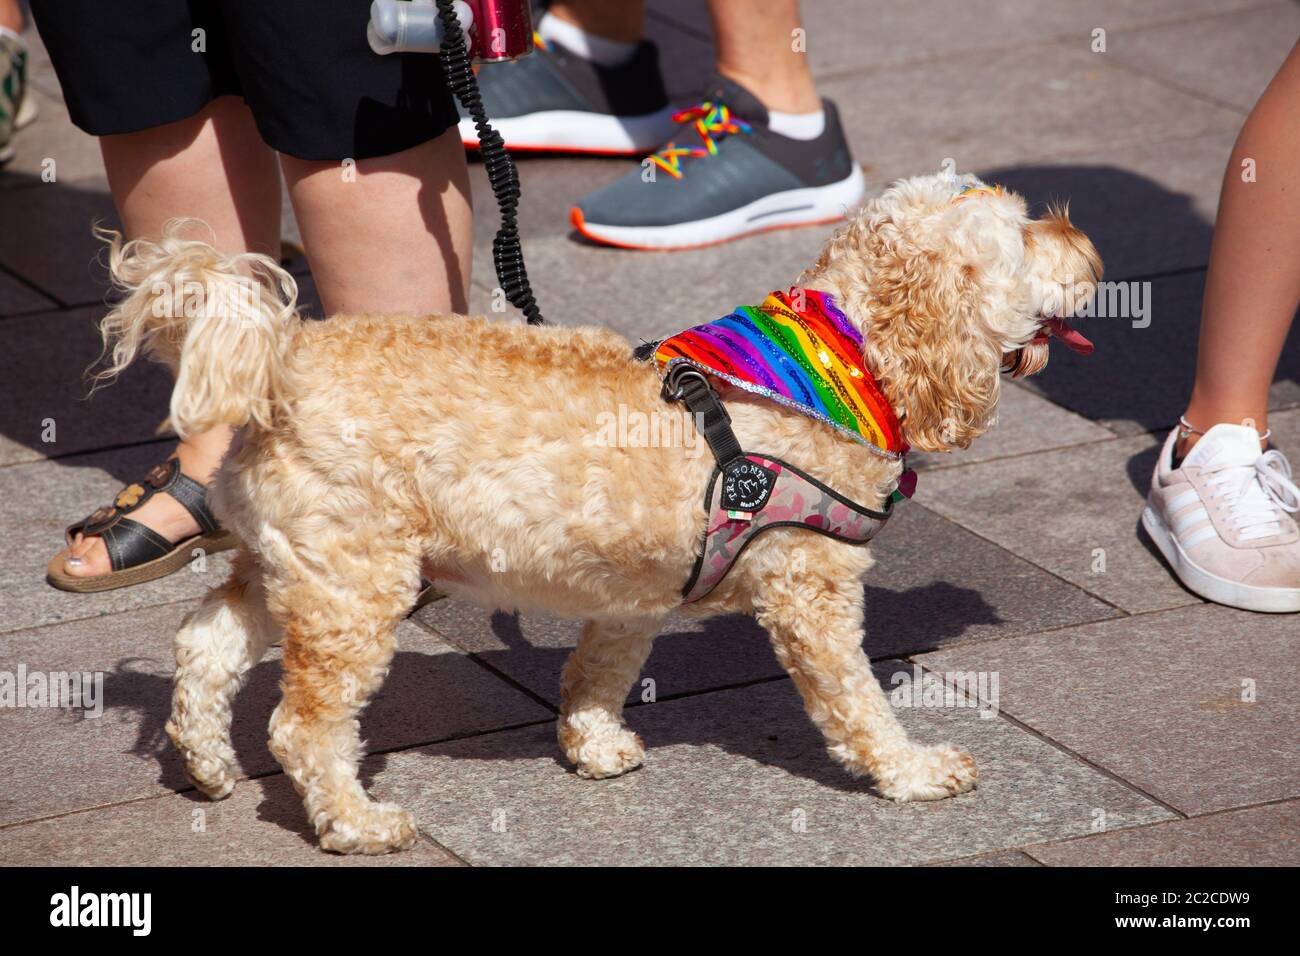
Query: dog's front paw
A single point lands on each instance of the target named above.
(599, 746)
(927, 773)
(209, 761)
(374, 829)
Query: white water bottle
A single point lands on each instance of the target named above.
(411, 26)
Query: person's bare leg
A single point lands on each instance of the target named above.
(11, 15)
(1252, 287)
(622, 21)
(214, 167)
(754, 39)
(756, 47)
(395, 234)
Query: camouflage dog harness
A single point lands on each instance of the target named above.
(799, 350)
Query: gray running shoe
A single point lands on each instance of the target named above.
(724, 176)
(13, 87)
(555, 101)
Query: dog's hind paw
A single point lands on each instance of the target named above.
(928, 773)
(601, 750)
(377, 828)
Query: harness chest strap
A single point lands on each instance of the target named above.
(750, 493)
(790, 499)
(801, 351)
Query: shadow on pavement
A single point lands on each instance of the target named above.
(422, 689)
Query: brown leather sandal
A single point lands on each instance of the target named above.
(138, 553)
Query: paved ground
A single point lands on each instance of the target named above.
(1136, 724)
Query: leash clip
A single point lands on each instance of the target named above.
(689, 386)
(686, 384)
(674, 389)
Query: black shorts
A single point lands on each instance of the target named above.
(314, 86)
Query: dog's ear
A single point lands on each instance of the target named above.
(930, 348)
(1062, 266)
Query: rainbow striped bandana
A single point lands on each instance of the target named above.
(798, 349)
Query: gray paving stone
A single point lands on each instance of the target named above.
(1195, 706)
(722, 787)
(39, 500)
(934, 584)
(1025, 423)
(1056, 509)
(1257, 836)
(840, 38)
(44, 367)
(58, 760)
(57, 253)
(1238, 53)
(261, 824)
(1023, 106)
(15, 297)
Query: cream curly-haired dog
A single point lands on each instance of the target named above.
(373, 448)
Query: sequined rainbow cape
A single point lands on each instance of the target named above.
(799, 349)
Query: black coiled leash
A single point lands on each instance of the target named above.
(507, 252)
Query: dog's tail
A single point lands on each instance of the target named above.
(220, 323)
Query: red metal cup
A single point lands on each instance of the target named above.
(503, 30)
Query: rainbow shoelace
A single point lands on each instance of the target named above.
(713, 121)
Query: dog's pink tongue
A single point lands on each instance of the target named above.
(1066, 333)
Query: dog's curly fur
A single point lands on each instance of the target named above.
(374, 447)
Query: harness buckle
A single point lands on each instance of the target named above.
(686, 384)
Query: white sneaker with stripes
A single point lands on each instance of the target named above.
(1222, 519)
